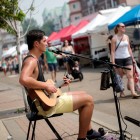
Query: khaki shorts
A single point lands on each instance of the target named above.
(64, 105)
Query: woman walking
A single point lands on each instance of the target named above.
(121, 54)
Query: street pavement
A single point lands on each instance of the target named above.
(13, 120)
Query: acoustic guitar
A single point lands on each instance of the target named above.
(48, 99)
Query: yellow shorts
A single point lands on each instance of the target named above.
(64, 105)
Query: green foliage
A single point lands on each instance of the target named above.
(33, 24)
(10, 12)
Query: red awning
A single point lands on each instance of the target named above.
(53, 34)
(63, 32)
(77, 28)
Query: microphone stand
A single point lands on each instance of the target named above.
(111, 70)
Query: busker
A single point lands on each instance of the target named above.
(31, 78)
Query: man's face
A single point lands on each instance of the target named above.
(42, 44)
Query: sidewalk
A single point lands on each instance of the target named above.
(11, 99)
(17, 127)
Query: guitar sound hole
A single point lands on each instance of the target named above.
(46, 93)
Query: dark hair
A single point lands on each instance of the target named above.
(64, 43)
(109, 44)
(32, 36)
(110, 37)
(116, 28)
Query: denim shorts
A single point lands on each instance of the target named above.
(124, 62)
(52, 66)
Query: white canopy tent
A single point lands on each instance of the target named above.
(99, 19)
(12, 51)
(103, 26)
(83, 32)
(9, 52)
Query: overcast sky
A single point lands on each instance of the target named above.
(40, 5)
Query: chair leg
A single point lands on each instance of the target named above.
(29, 130)
(53, 129)
(33, 133)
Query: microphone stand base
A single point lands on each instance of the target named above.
(122, 137)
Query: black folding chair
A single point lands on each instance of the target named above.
(37, 113)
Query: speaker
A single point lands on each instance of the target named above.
(105, 80)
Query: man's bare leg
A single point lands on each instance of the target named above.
(84, 103)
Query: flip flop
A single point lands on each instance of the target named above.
(136, 97)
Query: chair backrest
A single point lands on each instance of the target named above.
(32, 105)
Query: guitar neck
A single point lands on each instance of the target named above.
(59, 84)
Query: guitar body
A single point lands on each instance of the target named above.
(47, 100)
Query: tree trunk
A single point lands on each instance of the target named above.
(20, 63)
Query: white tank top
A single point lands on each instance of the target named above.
(122, 50)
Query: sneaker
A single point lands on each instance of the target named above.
(94, 135)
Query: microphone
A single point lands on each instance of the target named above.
(136, 122)
(54, 51)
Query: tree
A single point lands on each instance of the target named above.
(11, 17)
(48, 27)
(9, 14)
(33, 24)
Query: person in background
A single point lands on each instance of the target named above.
(16, 65)
(31, 78)
(109, 42)
(10, 65)
(51, 60)
(123, 56)
(4, 66)
(42, 63)
(68, 49)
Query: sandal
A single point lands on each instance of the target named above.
(122, 95)
(135, 96)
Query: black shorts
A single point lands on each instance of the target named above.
(124, 62)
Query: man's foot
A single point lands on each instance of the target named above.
(94, 135)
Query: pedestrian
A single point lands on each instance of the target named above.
(66, 57)
(16, 65)
(41, 61)
(32, 78)
(109, 42)
(121, 54)
(51, 60)
(4, 66)
(10, 65)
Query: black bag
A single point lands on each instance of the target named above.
(118, 83)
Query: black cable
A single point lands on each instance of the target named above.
(121, 113)
(123, 119)
(68, 135)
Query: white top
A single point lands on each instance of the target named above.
(122, 50)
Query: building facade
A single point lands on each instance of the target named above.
(83, 8)
(75, 10)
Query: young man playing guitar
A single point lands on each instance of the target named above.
(32, 79)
